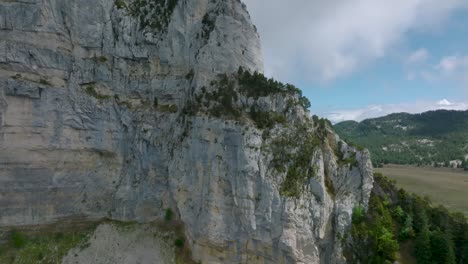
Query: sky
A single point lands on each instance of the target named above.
(358, 59)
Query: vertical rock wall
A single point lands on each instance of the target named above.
(92, 125)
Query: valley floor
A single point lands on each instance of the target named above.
(447, 187)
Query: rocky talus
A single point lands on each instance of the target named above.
(122, 109)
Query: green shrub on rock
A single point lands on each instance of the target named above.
(17, 239)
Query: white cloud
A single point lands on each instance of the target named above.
(382, 110)
(418, 56)
(444, 102)
(451, 64)
(324, 40)
(449, 70)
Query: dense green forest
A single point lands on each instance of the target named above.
(431, 138)
(405, 227)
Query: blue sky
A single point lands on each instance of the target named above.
(364, 58)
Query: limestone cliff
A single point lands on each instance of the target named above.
(121, 109)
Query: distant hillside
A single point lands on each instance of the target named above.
(435, 137)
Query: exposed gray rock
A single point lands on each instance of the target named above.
(111, 244)
(80, 134)
(22, 88)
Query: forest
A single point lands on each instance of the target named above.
(405, 227)
(431, 138)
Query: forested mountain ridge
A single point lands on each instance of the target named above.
(434, 137)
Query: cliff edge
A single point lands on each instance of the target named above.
(122, 109)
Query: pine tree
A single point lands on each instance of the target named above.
(423, 239)
(423, 247)
(442, 248)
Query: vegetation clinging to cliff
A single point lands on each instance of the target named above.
(222, 99)
(91, 90)
(152, 14)
(43, 247)
(208, 25)
(293, 152)
(257, 85)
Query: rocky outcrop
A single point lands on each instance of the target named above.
(98, 119)
(113, 244)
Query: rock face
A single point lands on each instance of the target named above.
(110, 244)
(93, 124)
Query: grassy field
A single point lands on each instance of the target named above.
(447, 187)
